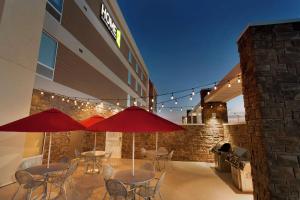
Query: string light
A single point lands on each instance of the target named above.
(52, 97)
(152, 100)
(118, 103)
(193, 92)
(172, 97)
(162, 105)
(215, 87)
(42, 93)
(191, 97)
(181, 109)
(63, 99)
(208, 93)
(68, 100)
(171, 110)
(151, 108)
(176, 102)
(229, 84)
(159, 110)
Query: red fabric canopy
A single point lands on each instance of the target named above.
(51, 120)
(92, 120)
(135, 119)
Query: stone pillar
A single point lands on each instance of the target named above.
(213, 111)
(270, 64)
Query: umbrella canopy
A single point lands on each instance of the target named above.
(51, 120)
(135, 119)
(91, 120)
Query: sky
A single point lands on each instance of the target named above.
(193, 42)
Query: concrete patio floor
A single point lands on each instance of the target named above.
(184, 180)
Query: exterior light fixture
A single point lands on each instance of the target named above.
(239, 79)
(229, 84)
(118, 103)
(152, 100)
(68, 100)
(75, 102)
(208, 93)
(42, 93)
(52, 97)
(151, 108)
(63, 99)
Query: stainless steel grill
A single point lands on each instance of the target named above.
(239, 159)
(220, 151)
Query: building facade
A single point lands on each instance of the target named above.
(80, 48)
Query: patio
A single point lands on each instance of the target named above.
(184, 180)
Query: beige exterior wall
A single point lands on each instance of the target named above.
(20, 31)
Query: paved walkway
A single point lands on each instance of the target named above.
(184, 180)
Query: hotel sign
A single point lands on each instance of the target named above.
(110, 24)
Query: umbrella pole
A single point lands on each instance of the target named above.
(156, 142)
(133, 149)
(49, 150)
(95, 142)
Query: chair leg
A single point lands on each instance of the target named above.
(160, 195)
(15, 195)
(104, 197)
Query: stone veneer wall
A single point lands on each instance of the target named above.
(193, 144)
(270, 65)
(237, 135)
(65, 143)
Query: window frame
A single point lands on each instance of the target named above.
(129, 57)
(62, 9)
(129, 78)
(55, 58)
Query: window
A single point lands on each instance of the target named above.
(142, 76)
(47, 56)
(128, 100)
(55, 8)
(136, 68)
(129, 57)
(129, 78)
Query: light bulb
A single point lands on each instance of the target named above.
(68, 100)
(118, 103)
(162, 105)
(181, 109)
(52, 97)
(229, 84)
(42, 93)
(75, 103)
(152, 100)
(208, 93)
(191, 97)
(151, 108)
(172, 97)
(239, 79)
(193, 92)
(63, 99)
(171, 110)
(176, 102)
(215, 87)
(159, 110)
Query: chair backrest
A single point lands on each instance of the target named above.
(108, 155)
(147, 166)
(64, 159)
(72, 168)
(170, 155)
(116, 189)
(159, 182)
(108, 171)
(77, 153)
(23, 177)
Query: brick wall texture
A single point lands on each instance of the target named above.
(237, 135)
(270, 64)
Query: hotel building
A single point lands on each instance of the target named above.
(78, 48)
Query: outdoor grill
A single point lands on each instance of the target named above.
(221, 150)
(239, 159)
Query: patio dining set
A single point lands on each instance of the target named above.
(124, 184)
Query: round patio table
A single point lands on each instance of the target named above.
(140, 176)
(93, 156)
(43, 170)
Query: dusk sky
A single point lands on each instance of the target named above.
(190, 43)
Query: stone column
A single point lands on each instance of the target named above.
(270, 64)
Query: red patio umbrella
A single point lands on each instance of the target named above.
(91, 121)
(51, 120)
(135, 119)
